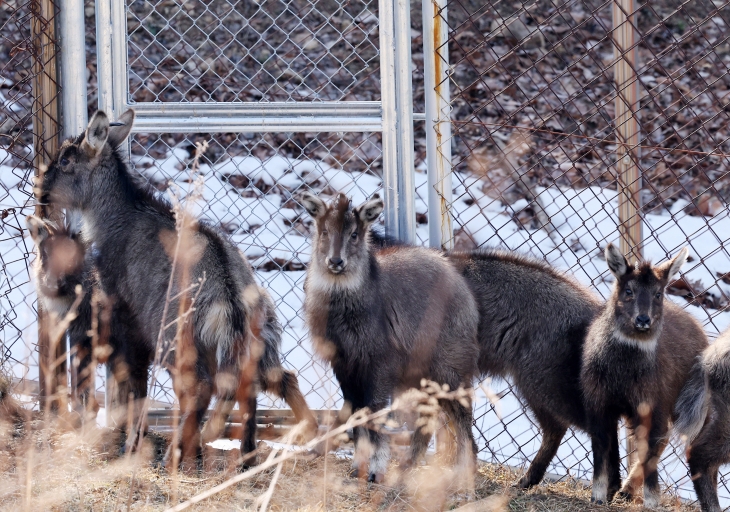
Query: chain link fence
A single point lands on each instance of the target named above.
(540, 164)
(250, 182)
(246, 52)
(29, 131)
(535, 158)
(237, 51)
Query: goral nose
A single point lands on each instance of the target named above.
(335, 262)
(643, 322)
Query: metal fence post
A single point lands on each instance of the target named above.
(104, 55)
(627, 127)
(404, 109)
(111, 57)
(390, 145)
(438, 123)
(73, 68)
(397, 106)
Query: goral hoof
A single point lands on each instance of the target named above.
(310, 432)
(247, 463)
(320, 449)
(311, 455)
(624, 495)
(524, 483)
(376, 478)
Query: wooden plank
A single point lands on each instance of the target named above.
(272, 422)
(46, 132)
(627, 127)
(627, 134)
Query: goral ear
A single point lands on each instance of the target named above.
(119, 131)
(670, 268)
(97, 134)
(616, 261)
(370, 210)
(37, 228)
(313, 204)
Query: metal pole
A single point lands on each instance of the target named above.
(627, 127)
(404, 122)
(111, 40)
(119, 56)
(390, 128)
(273, 116)
(438, 123)
(111, 56)
(106, 103)
(73, 67)
(104, 55)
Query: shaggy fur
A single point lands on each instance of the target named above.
(385, 318)
(638, 355)
(703, 418)
(532, 325)
(58, 269)
(230, 332)
(62, 263)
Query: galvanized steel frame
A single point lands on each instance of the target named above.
(393, 115)
(438, 122)
(73, 67)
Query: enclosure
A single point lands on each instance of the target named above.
(550, 127)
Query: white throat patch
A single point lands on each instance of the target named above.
(89, 228)
(323, 281)
(645, 345)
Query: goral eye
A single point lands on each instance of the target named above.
(64, 161)
(324, 233)
(658, 295)
(629, 293)
(354, 235)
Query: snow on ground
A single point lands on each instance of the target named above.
(263, 221)
(17, 294)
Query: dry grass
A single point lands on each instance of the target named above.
(71, 471)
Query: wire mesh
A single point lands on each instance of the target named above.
(279, 50)
(250, 185)
(27, 52)
(535, 153)
(533, 109)
(291, 50)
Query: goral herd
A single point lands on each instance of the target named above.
(385, 316)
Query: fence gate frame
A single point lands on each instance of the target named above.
(392, 116)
